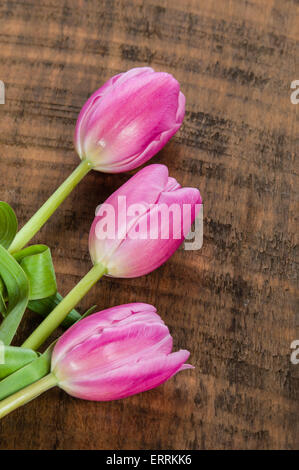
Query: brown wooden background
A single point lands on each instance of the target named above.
(233, 304)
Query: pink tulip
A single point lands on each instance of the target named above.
(129, 119)
(137, 239)
(116, 353)
(109, 355)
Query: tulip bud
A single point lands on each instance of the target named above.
(129, 119)
(142, 223)
(116, 353)
(109, 355)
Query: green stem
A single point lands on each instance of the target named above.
(53, 320)
(44, 213)
(27, 394)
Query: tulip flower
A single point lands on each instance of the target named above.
(129, 119)
(159, 216)
(122, 125)
(109, 355)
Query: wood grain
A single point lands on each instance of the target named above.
(233, 304)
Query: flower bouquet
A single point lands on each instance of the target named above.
(125, 349)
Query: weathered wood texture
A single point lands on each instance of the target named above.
(232, 303)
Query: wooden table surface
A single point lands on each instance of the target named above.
(233, 303)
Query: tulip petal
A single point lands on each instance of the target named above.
(143, 188)
(81, 330)
(132, 130)
(128, 380)
(83, 118)
(129, 119)
(113, 347)
(152, 240)
(154, 147)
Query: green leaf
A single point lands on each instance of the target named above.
(14, 359)
(36, 261)
(17, 287)
(88, 312)
(3, 308)
(45, 306)
(8, 224)
(34, 371)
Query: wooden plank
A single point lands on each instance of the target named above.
(233, 303)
